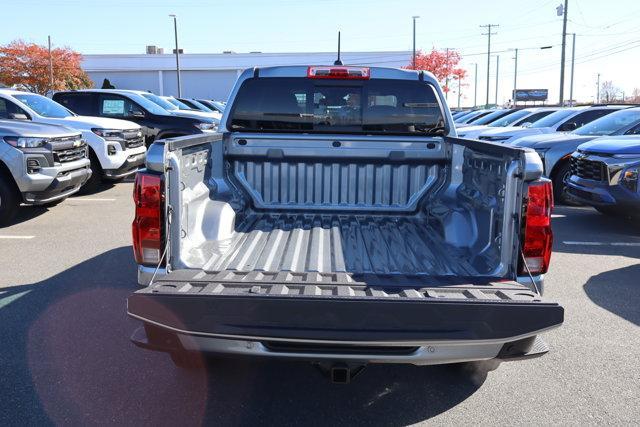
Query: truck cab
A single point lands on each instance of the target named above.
(39, 164)
(336, 217)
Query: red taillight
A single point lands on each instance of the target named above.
(538, 236)
(147, 224)
(336, 72)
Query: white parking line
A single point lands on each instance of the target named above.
(602, 243)
(17, 237)
(89, 199)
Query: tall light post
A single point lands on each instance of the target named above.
(175, 31)
(515, 78)
(414, 41)
(475, 87)
(573, 63)
(497, 76)
(564, 45)
(515, 71)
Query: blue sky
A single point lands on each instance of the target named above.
(608, 40)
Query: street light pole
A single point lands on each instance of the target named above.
(564, 45)
(414, 41)
(573, 61)
(50, 66)
(475, 87)
(459, 94)
(175, 31)
(497, 73)
(515, 79)
(598, 90)
(446, 82)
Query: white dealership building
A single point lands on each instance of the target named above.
(211, 76)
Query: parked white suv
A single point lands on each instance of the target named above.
(117, 147)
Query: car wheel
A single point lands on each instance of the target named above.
(95, 181)
(560, 193)
(9, 201)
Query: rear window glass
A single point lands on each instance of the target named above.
(348, 106)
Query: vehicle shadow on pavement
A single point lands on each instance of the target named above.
(617, 291)
(26, 213)
(583, 224)
(66, 358)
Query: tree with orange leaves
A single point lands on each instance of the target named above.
(27, 65)
(442, 64)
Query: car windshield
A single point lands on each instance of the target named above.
(463, 118)
(201, 106)
(180, 105)
(326, 106)
(220, 106)
(553, 119)
(44, 106)
(148, 105)
(494, 115)
(160, 101)
(610, 123)
(509, 119)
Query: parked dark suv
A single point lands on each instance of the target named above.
(156, 122)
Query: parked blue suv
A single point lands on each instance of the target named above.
(604, 174)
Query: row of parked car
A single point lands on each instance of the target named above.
(591, 153)
(53, 148)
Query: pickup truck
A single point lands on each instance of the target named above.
(39, 164)
(337, 218)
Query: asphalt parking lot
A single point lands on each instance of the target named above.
(65, 355)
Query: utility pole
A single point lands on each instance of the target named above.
(414, 40)
(515, 79)
(564, 45)
(175, 31)
(497, 73)
(488, 34)
(598, 90)
(50, 65)
(446, 82)
(475, 87)
(459, 92)
(573, 62)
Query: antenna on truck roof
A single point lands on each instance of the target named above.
(338, 61)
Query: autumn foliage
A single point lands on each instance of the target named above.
(27, 65)
(443, 65)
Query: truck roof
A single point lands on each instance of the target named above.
(376, 72)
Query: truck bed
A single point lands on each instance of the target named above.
(354, 245)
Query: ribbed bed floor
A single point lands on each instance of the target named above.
(338, 244)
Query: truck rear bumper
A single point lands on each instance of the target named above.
(427, 353)
(422, 326)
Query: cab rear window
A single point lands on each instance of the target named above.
(329, 106)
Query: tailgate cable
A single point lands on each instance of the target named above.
(164, 253)
(524, 261)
